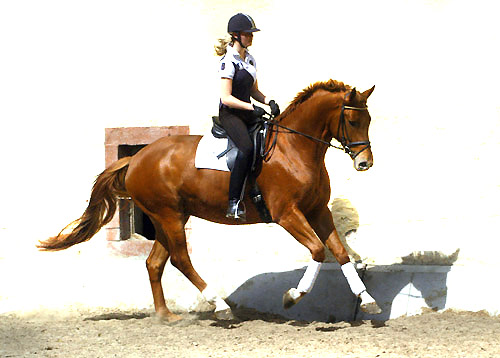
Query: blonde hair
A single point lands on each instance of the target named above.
(221, 47)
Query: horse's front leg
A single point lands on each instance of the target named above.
(297, 225)
(323, 225)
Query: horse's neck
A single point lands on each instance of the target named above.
(311, 118)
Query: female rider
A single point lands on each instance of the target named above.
(238, 84)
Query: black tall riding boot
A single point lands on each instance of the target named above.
(236, 207)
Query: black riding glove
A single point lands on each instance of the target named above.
(275, 109)
(258, 111)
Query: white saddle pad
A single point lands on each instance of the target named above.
(208, 150)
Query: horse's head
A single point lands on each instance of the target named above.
(352, 128)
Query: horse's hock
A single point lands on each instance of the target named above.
(127, 232)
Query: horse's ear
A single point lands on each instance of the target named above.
(367, 93)
(351, 95)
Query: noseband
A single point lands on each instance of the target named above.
(344, 138)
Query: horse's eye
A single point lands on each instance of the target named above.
(354, 124)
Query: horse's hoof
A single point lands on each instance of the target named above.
(168, 317)
(370, 308)
(224, 315)
(291, 297)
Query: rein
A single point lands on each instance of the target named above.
(344, 140)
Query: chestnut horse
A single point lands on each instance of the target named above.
(162, 180)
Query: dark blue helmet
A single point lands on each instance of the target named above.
(241, 23)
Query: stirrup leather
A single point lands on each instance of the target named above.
(236, 210)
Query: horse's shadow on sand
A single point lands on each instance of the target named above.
(120, 316)
(399, 289)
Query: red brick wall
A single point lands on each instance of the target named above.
(135, 136)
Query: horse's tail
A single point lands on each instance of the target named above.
(102, 206)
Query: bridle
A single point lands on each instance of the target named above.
(341, 133)
(344, 138)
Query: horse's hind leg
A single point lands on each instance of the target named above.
(155, 264)
(173, 227)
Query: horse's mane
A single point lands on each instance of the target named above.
(301, 97)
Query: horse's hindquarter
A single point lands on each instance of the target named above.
(158, 171)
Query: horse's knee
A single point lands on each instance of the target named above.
(337, 248)
(318, 253)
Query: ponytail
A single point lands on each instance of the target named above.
(221, 47)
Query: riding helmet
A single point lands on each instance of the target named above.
(241, 23)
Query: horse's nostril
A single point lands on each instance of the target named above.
(363, 166)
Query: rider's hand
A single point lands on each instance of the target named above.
(275, 109)
(258, 111)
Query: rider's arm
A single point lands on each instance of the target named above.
(228, 99)
(258, 95)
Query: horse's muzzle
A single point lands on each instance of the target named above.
(362, 164)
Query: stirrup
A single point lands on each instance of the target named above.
(235, 210)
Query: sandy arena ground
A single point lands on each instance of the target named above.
(114, 333)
